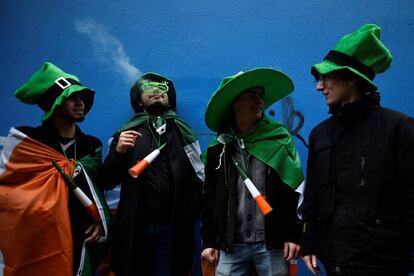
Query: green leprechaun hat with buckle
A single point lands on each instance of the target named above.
(360, 52)
(275, 84)
(49, 86)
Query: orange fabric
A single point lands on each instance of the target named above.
(35, 233)
(293, 269)
(94, 212)
(208, 269)
(104, 268)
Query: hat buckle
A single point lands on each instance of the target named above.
(63, 83)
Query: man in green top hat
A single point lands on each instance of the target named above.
(158, 208)
(63, 238)
(359, 199)
(250, 153)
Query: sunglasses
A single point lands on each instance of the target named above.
(152, 86)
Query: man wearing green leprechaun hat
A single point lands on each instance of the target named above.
(252, 167)
(155, 156)
(359, 199)
(53, 219)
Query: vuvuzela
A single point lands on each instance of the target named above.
(261, 202)
(83, 198)
(141, 165)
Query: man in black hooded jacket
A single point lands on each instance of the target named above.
(158, 209)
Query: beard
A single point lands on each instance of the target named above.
(72, 118)
(79, 120)
(156, 108)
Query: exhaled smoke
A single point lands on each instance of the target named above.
(2, 141)
(108, 49)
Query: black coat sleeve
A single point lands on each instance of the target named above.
(209, 229)
(405, 166)
(282, 224)
(309, 204)
(113, 167)
(292, 223)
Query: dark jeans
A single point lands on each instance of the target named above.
(238, 263)
(155, 250)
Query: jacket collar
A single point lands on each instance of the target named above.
(356, 110)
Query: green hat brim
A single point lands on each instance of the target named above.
(276, 85)
(326, 67)
(87, 97)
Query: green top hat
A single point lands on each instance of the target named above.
(275, 84)
(360, 52)
(49, 86)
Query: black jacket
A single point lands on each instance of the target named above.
(131, 216)
(359, 199)
(281, 225)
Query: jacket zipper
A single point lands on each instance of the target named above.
(228, 202)
(362, 170)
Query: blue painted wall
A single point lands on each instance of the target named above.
(195, 43)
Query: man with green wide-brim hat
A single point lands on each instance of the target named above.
(359, 198)
(252, 167)
(53, 218)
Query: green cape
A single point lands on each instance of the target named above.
(189, 139)
(271, 143)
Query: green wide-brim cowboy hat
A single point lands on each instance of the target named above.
(49, 86)
(360, 52)
(275, 84)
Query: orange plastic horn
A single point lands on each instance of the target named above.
(138, 168)
(264, 207)
(293, 267)
(93, 212)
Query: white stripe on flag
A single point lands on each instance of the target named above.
(9, 143)
(193, 152)
(1, 264)
(301, 191)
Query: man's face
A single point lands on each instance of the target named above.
(73, 108)
(249, 105)
(336, 90)
(154, 98)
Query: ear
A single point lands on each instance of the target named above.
(353, 84)
(353, 81)
(234, 104)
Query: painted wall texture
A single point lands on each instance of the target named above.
(196, 43)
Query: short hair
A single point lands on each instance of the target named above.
(361, 84)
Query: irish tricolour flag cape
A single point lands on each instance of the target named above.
(35, 232)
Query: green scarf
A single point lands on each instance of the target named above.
(184, 129)
(93, 254)
(271, 143)
(189, 139)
